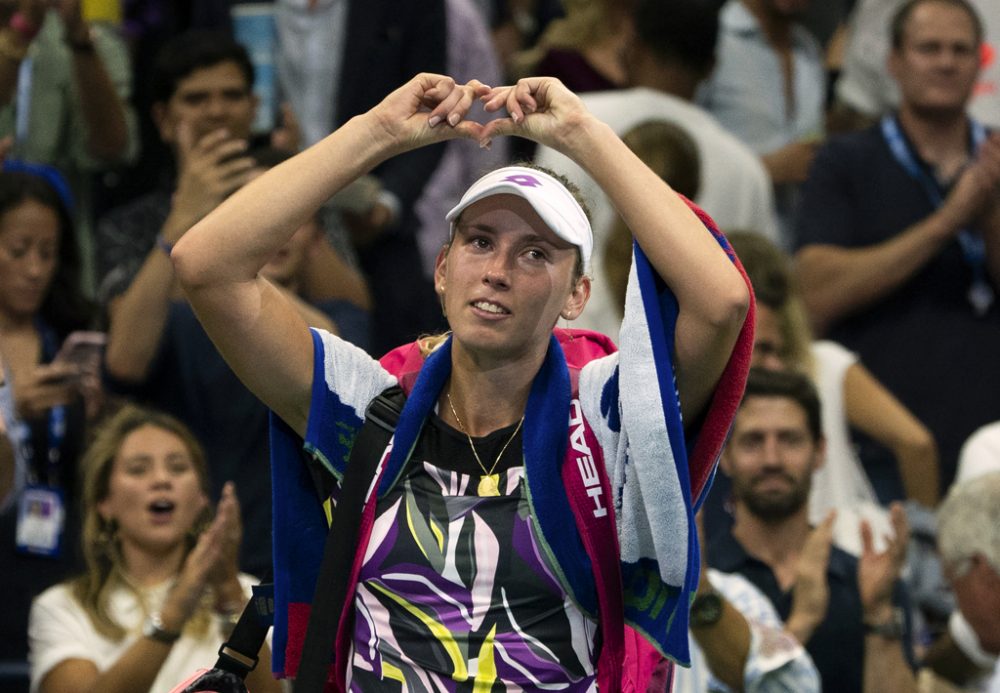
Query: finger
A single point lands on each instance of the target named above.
(478, 88)
(867, 540)
(901, 526)
(470, 94)
(46, 397)
(185, 139)
(288, 118)
(211, 539)
(525, 91)
(209, 144)
(55, 392)
(495, 99)
(57, 370)
(234, 167)
(289, 135)
(513, 105)
(439, 97)
(206, 550)
(228, 494)
(825, 535)
(225, 149)
(496, 128)
(817, 548)
(461, 109)
(229, 505)
(450, 108)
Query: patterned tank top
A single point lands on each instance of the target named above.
(455, 592)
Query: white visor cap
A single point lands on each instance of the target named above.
(547, 196)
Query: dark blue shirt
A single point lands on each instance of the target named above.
(837, 647)
(923, 341)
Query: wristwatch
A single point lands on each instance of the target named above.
(706, 609)
(890, 629)
(153, 629)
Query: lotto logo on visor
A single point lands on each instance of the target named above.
(522, 179)
(548, 197)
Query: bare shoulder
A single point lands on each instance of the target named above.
(70, 676)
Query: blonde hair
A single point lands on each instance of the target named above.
(101, 547)
(430, 343)
(769, 269)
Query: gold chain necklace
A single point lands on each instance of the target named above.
(489, 483)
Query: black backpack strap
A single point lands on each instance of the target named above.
(341, 545)
(238, 654)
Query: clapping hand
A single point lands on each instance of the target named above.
(224, 577)
(811, 592)
(212, 563)
(878, 571)
(973, 198)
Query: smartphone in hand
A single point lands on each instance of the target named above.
(84, 350)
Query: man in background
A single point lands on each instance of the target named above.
(843, 609)
(898, 236)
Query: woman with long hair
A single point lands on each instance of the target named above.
(519, 444)
(41, 303)
(161, 585)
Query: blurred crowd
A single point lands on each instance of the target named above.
(850, 150)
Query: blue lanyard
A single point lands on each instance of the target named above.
(971, 241)
(56, 425)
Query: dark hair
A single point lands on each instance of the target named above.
(679, 31)
(902, 18)
(762, 382)
(194, 50)
(65, 308)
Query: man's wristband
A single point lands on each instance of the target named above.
(890, 628)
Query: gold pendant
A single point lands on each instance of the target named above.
(489, 485)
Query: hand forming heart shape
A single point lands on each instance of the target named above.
(431, 108)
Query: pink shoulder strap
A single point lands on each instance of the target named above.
(589, 493)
